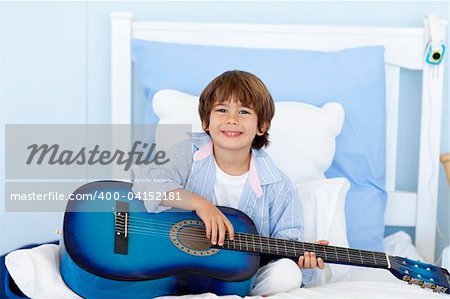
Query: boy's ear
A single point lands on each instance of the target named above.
(263, 129)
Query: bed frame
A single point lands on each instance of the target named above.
(405, 48)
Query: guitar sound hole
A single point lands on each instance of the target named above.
(189, 236)
(193, 237)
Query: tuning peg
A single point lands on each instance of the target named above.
(416, 281)
(58, 231)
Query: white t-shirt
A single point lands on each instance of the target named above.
(228, 188)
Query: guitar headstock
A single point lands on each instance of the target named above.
(422, 274)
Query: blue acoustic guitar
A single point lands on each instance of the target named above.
(113, 248)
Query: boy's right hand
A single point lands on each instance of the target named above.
(216, 223)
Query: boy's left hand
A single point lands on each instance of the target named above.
(309, 260)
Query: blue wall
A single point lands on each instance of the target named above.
(54, 68)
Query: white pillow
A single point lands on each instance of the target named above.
(176, 107)
(303, 138)
(36, 272)
(298, 130)
(323, 205)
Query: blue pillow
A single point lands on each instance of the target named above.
(353, 77)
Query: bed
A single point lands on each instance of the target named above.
(280, 51)
(404, 48)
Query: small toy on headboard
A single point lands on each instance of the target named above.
(436, 47)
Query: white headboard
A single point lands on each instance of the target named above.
(404, 48)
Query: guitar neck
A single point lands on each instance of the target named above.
(294, 249)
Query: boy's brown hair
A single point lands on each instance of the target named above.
(249, 90)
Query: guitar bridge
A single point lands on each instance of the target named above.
(121, 221)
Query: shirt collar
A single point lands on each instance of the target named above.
(257, 160)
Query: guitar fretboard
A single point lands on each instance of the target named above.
(294, 249)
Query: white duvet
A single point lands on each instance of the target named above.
(347, 289)
(36, 272)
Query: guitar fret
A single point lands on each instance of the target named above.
(354, 258)
(246, 241)
(383, 258)
(306, 247)
(295, 249)
(368, 257)
(253, 237)
(240, 244)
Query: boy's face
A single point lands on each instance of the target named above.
(233, 126)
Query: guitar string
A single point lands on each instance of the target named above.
(200, 232)
(362, 254)
(265, 249)
(271, 247)
(343, 252)
(367, 254)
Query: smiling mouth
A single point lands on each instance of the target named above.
(232, 133)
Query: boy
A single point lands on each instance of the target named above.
(230, 168)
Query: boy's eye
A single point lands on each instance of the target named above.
(221, 110)
(244, 112)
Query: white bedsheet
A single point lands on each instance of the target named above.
(348, 289)
(36, 272)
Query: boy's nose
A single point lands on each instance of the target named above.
(232, 121)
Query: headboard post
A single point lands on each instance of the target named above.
(121, 35)
(392, 111)
(430, 133)
(121, 82)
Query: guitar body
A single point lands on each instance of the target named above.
(98, 260)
